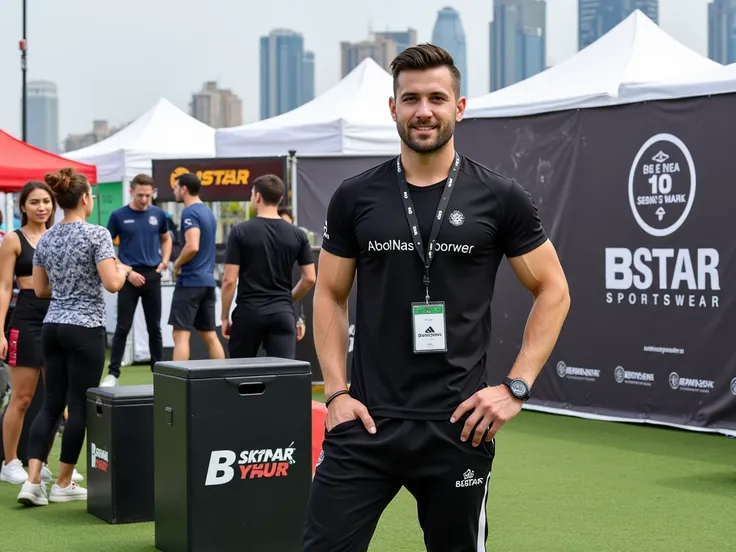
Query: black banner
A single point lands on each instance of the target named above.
(636, 199)
(317, 179)
(222, 179)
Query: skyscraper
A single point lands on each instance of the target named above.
(43, 115)
(518, 41)
(722, 31)
(597, 17)
(216, 107)
(308, 79)
(448, 33)
(282, 72)
(382, 47)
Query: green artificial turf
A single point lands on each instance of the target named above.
(559, 485)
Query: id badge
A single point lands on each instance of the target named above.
(428, 327)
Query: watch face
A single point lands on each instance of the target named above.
(518, 388)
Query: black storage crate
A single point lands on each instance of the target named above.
(120, 486)
(232, 446)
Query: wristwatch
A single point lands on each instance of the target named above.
(519, 388)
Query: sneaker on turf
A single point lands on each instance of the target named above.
(109, 381)
(13, 472)
(69, 494)
(33, 494)
(47, 476)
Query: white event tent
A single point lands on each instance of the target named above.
(162, 132)
(352, 117)
(722, 80)
(637, 50)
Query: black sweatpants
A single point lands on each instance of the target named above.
(275, 332)
(74, 357)
(150, 296)
(359, 474)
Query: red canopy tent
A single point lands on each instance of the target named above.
(21, 162)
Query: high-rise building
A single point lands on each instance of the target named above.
(283, 64)
(403, 39)
(216, 107)
(101, 129)
(597, 17)
(448, 33)
(382, 47)
(43, 115)
(308, 78)
(518, 41)
(722, 31)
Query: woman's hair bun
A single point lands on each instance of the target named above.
(60, 180)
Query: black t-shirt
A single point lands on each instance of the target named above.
(266, 250)
(488, 216)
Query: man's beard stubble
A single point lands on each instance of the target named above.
(444, 135)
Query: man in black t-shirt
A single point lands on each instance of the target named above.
(260, 257)
(420, 412)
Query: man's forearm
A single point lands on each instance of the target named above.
(331, 341)
(166, 246)
(541, 333)
(228, 291)
(300, 290)
(186, 255)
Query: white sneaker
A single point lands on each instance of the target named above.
(70, 494)
(46, 475)
(76, 476)
(33, 494)
(13, 472)
(109, 381)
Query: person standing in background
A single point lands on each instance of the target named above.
(301, 326)
(73, 261)
(194, 300)
(145, 245)
(260, 257)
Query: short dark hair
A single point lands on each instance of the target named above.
(423, 57)
(141, 180)
(191, 182)
(271, 188)
(284, 210)
(68, 186)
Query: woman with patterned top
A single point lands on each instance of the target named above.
(22, 347)
(73, 261)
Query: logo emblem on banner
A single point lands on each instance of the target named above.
(662, 185)
(661, 192)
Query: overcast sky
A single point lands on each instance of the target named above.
(113, 60)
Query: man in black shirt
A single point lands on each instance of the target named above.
(260, 256)
(420, 412)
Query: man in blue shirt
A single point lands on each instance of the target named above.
(145, 245)
(194, 300)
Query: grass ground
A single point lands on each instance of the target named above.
(559, 485)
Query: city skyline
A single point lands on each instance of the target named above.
(110, 82)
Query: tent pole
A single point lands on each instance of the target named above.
(292, 177)
(23, 68)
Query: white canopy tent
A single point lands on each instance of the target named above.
(350, 118)
(162, 132)
(722, 80)
(637, 50)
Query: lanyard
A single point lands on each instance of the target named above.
(411, 216)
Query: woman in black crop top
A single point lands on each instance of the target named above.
(21, 348)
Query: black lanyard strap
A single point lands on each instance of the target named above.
(411, 216)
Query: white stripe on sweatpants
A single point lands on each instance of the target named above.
(482, 518)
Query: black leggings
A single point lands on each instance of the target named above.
(276, 332)
(74, 358)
